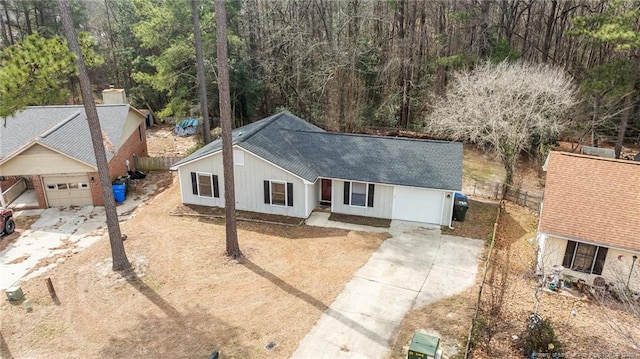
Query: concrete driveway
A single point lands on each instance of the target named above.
(415, 267)
(57, 234)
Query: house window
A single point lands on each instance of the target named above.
(140, 132)
(586, 258)
(238, 158)
(359, 194)
(205, 184)
(278, 193)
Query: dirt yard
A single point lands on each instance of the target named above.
(185, 298)
(163, 142)
(591, 330)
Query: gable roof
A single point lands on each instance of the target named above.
(310, 152)
(592, 199)
(64, 129)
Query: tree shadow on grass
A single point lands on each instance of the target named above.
(4, 348)
(194, 334)
(313, 301)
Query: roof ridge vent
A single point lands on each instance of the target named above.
(60, 124)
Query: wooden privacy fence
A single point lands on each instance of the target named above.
(519, 196)
(155, 163)
(496, 190)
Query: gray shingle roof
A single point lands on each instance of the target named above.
(63, 128)
(310, 152)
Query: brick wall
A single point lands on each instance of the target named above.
(133, 145)
(96, 190)
(39, 189)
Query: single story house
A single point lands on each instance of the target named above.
(590, 222)
(284, 165)
(49, 149)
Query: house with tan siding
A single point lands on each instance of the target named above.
(49, 149)
(285, 165)
(590, 219)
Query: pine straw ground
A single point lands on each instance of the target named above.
(507, 300)
(185, 298)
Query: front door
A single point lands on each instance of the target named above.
(326, 190)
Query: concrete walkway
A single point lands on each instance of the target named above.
(415, 267)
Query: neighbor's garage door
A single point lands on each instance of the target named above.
(70, 190)
(417, 205)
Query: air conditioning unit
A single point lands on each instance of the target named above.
(15, 293)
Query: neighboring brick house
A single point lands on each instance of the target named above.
(51, 148)
(590, 220)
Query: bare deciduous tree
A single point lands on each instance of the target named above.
(506, 108)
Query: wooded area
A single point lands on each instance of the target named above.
(348, 65)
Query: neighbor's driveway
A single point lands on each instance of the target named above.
(415, 267)
(57, 233)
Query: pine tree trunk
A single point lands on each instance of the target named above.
(233, 250)
(202, 85)
(120, 260)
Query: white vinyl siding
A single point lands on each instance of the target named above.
(39, 160)
(382, 201)
(249, 185)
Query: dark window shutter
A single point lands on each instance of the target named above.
(568, 254)
(194, 183)
(346, 192)
(370, 198)
(216, 189)
(289, 194)
(602, 256)
(267, 194)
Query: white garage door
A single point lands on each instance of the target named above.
(70, 190)
(417, 205)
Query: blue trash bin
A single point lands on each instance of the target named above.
(118, 192)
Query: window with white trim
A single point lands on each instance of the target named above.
(205, 184)
(359, 194)
(278, 193)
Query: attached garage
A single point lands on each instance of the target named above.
(418, 205)
(67, 190)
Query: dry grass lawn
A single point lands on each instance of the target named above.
(185, 298)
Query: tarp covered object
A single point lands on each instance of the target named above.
(186, 127)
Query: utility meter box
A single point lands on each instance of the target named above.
(14, 293)
(423, 346)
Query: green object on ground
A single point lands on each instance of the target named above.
(423, 346)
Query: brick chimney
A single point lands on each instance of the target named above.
(113, 95)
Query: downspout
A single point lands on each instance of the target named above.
(453, 199)
(306, 199)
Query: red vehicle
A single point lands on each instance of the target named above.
(7, 225)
